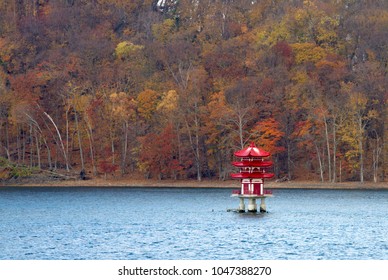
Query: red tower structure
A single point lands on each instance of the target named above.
(253, 170)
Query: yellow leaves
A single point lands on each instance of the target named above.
(293, 97)
(309, 4)
(358, 115)
(261, 36)
(300, 15)
(81, 102)
(327, 31)
(307, 52)
(350, 136)
(147, 102)
(372, 114)
(270, 35)
(163, 30)
(117, 100)
(297, 93)
(169, 102)
(329, 22)
(217, 107)
(122, 105)
(116, 97)
(357, 101)
(311, 24)
(219, 119)
(125, 49)
(303, 26)
(300, 77)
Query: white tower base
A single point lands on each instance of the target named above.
(263, 207)
(252, 206)
(241, 207)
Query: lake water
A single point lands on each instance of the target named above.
(190, 224)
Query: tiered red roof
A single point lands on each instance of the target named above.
(252, 151)
(252, 165)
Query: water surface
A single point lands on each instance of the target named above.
(179, 223)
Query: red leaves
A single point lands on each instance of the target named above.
(284, 49)
(158, 154)
(107, 167)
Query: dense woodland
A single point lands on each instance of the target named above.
(170, 89)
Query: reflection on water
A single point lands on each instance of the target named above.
(174, 223)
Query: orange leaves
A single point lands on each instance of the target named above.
(147, 101)
(326, 63)
(27, 87)
(331, 68)
(217, 107)
(307, 132)
(5, 50)
(268, 133)
(218, 120)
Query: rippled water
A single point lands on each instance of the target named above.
(174, 223)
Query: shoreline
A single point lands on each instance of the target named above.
(228, 184)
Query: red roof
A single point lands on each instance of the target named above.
(252, 151)
(255, 163)
(247, 175)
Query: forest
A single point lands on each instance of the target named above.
(169, 89)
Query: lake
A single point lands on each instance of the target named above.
(190, 224)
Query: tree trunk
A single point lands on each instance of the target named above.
(320, 162)
(49, 157)
(334, 151)
(60, 139)
(67, 133)
(18, 143)
(91, 144)
(195, 148)
(7, 140)
(79, 140)
(125, 148)
(327, 147)
(383, 155)
(31, 146)
(178, 135)
(240, 131)
(289, 161)
(376, 157)
(37, 148)
(361, 149)
(24, 145)
(113, 150)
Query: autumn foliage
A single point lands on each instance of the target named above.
(169, 89)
